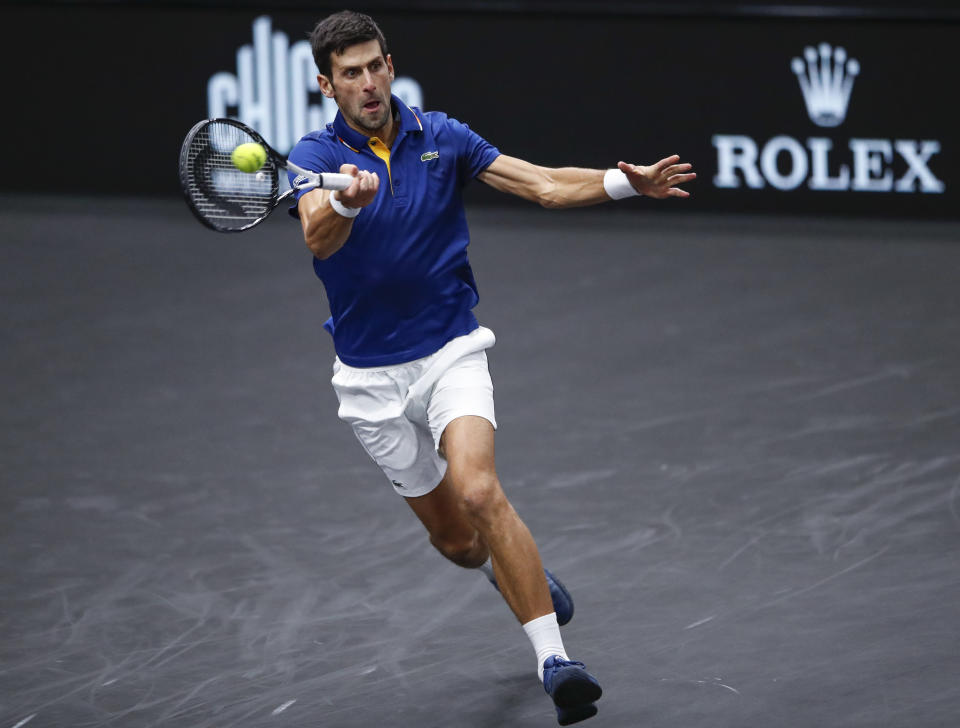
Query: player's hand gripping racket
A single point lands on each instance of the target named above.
(223, 197)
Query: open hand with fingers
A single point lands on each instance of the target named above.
(661, 179)
(363, 190)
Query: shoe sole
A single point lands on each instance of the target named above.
(569, 716)
(575, 689)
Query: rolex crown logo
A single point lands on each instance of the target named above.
(826, 80)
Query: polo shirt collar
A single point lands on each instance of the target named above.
(357, 141)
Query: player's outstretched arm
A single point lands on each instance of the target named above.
(553, 188)
(574, 187)
(325, 227)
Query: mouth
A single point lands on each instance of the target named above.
(372, 106)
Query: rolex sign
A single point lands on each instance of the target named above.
(826, 76)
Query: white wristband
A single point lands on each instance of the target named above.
(343, 209)
(617, 185)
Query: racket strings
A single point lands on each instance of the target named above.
(222, 195)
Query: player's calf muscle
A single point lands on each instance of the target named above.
(466, 553)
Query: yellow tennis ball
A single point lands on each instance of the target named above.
(248, 157)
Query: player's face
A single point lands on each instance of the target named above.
(360, 85)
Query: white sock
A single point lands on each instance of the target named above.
(487, 568)
(544, 633)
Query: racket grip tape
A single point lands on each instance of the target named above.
(335, 181)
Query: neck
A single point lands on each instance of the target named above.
(388, 132)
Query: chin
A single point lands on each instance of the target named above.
(373, 124)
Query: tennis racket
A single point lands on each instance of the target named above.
(224, 198)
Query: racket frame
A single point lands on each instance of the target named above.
(311, 180)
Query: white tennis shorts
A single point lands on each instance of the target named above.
(399, 412)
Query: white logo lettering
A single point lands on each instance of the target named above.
(820, 179)
(271, 90)
(872, 159)
(736, 152)
(869, 156)
(798, 163)
(917, 158)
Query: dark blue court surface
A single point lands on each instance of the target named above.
(736, 440)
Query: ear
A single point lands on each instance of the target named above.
(326, 86)
(390, 65)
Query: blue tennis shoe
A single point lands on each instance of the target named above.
(574, 690)
(562, 601)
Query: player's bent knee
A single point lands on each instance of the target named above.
(468, 554)
(484, 500)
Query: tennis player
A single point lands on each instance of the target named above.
(411, 368)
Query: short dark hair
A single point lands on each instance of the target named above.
(337, 32)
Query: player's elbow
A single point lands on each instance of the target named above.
(321, 250)
(319, 244)
(320, 253)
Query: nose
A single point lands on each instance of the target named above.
(368, 83)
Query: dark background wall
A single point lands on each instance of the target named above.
(104, 92)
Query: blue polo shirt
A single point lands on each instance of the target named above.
(401, 286)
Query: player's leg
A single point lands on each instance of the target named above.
(468, 506)
(468, 443)
(447, 515)
(450, 531)
(465, 389)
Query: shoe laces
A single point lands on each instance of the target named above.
(560, 662)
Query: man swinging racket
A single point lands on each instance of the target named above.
(411, 369)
